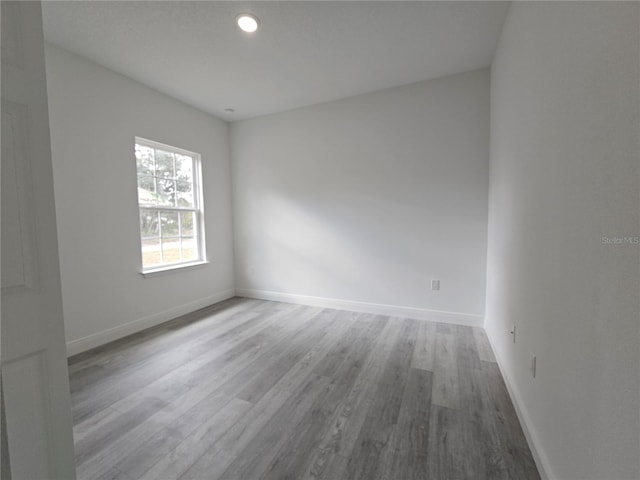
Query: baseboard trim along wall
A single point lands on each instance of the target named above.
(542, 462)
(365, 307)
(106, 336)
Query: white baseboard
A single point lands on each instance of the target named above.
(365, 307)
(541, 459)
(106, 336)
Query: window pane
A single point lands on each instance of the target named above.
(166, 192)
(170, 225)
(184, 195)
(168, 197)
(189, 249)
(184, 168)
(171, 250)
(164, 164)
(146, 191)
(144, 160)
(151, 253)
(149, 223)
(187, 221)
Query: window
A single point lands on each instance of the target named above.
(170, 203)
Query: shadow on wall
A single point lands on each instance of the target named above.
(330, 247)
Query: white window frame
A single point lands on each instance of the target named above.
(198, 209)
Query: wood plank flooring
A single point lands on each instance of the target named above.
(249, 389)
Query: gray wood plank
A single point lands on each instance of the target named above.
(128, 441)
(214, 462)
(484, 459)
(140, 459)
(292, 459)
(328, 460)
(257, 455)
(208, 371)
(94, 442)
(169, 339)
(446, 392)
(145, 344)
(121, 382)
(168, 388)
(196, 443)
(292, 379)
(265, 371)
(445, 328)
(466, 350)
(485, 352)
(516, 452)
(424, 353)
(445, 447)
(373, 440)
(266, 390)
(114, 474)
(258, 450)
(407, 452)
(338, 351)
(224, 379)
(81, 430)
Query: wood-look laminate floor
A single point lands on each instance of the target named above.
(248, 390)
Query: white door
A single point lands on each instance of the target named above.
(34, 369)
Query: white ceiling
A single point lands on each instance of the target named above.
(304, 53)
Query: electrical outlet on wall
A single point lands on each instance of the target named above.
(435, 284)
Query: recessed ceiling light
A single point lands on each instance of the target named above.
(247, 22)
(229, 110)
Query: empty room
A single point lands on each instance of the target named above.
(312, 240)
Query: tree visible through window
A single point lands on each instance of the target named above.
(170, 206)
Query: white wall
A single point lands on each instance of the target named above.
(564, 174)
(367, 199)
(95, 115)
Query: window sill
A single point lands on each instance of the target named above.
(156, 272)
